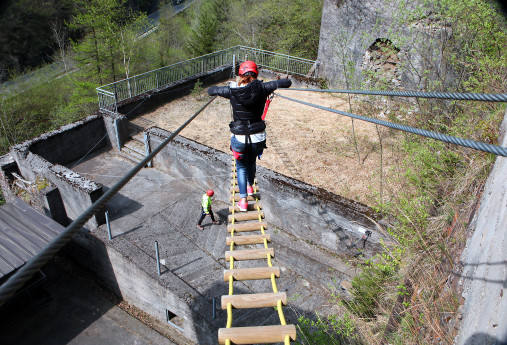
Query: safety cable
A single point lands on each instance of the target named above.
(30, 268)
(487, 97)
(497, 150)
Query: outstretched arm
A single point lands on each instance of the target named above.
(222, 91)
(273, 85)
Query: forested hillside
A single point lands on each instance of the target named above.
(429, 196)
(100, 38)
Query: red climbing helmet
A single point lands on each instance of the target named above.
(210, 192)
(248, 66)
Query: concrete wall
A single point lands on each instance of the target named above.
(77, 193)
(350, 27)
(484, 262)
(71, 142)
(136, 283)
(305, 211)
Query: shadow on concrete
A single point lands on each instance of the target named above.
(72, 308)
(485, 339)
(503, 283)
(120, 205)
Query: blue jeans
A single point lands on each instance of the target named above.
(246, 165)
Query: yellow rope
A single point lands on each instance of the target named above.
(232, 262)
(273, 283)
(269, 260)
(262, 229)
(286, 342)
(265, 242)
(280, 312)
(231, 279)
(229, 315)
(228, 342)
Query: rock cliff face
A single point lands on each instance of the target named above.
(372, 36)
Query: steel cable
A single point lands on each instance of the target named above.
(497, 150)
(487, 97)
(30, 268)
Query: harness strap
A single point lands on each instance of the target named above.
(268, 101)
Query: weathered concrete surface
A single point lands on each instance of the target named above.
(349, 28)
(308, 212)
(46, 155)
(484, 262)
(70, 142)
(159, 207)
(7, 167)
(76, 313)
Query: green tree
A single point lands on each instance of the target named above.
(103, 22)
(206, 26)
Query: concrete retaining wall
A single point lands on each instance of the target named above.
(349, 28)
(77, 193)
(305, 211)
(71, 142)
(136, 283)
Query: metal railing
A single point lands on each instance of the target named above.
(109, 95)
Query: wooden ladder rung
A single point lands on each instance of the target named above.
(256, 335)
(250, 197)
(254, 300)
(242, 216)
(248, 239)
(252, 226)
(249, 254)
(253, 273)
(251, 207)
(236, 189)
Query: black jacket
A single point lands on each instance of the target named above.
(248, 103)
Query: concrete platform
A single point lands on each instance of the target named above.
(75, 313)
(157, 207)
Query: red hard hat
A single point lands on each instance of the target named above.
(210, 192)
(248, 66)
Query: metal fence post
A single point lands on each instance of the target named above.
(158, 257)
(116, 131)
(214, 309)
(108, 226)
(234, 65)
(147, 147)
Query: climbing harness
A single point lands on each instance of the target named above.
(268, 101)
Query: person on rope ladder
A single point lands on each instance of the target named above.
(206, 209)
(248, 140)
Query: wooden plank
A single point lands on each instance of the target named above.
(254, 300)
(251, 207)
(249, 254)
(256, 335)
(250, 197)
(253, 273)
(248, 239)
(242, 216)
(252, 226)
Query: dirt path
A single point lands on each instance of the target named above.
(308, 144)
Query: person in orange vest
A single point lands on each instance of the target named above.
(206, 208)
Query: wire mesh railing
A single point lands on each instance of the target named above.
(111, 94)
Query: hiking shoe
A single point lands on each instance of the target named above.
(243, 206)
(200, 227)
(249, 190)
(216, 222)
